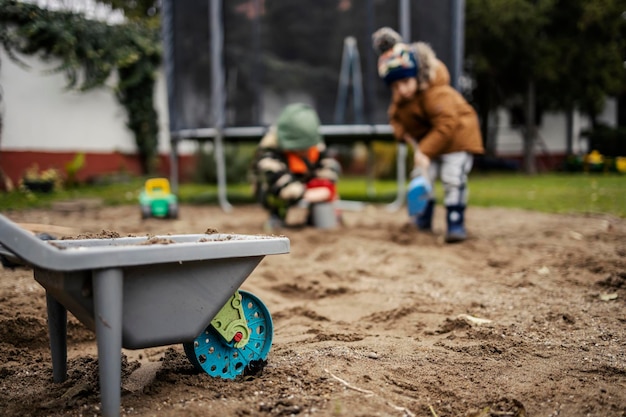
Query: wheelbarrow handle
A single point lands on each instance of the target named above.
(18, 244)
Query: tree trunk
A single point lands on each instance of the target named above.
(530, 132)
(569, 132)
(487, 116)
(491, 136)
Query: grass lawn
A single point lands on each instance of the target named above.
(554, 193)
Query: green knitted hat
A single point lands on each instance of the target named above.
(298, 127)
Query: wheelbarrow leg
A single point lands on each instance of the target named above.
(57, 329)
(108, 291)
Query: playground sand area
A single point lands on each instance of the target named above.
(526, 318)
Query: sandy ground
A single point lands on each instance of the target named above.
(526, 318)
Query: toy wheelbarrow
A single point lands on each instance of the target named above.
(139, 292)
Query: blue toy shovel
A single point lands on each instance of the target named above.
(417, 195)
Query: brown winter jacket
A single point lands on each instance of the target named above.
(438, 116)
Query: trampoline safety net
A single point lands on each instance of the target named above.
(280, 51)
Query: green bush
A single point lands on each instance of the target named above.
(237, 158)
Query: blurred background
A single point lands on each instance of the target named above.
(94, 91)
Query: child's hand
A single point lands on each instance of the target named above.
(319, 190)
(420, 160)
(317, 195)
(411, 141)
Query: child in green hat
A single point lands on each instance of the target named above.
(292, 164)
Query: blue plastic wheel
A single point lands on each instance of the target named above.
(209, 352)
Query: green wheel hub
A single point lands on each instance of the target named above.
(226, 349)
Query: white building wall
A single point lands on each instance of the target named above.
(552, 131)
(41, 114)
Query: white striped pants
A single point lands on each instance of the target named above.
(452, 169)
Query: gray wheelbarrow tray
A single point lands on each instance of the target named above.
(133, 293)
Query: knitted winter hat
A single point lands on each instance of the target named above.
(298, 127)
(396, 60)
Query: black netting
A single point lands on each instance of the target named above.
(281, 50)
(191, 64)
(431, 22)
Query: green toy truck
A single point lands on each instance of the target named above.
(156, 200)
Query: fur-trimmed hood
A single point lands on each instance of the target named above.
(431, 70)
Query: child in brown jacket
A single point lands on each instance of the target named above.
(434, 119)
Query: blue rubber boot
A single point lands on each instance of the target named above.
(424, 220)
(455, 219)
